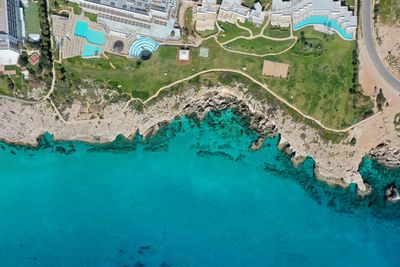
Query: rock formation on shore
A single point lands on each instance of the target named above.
(337, 164)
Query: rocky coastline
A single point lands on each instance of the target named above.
(335, 163)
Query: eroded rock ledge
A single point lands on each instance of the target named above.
(337, 164)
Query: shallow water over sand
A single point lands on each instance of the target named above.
(194, 195)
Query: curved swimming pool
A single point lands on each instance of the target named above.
(92, 36)
(322, 20)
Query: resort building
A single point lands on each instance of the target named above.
(155, 18)
(232, 11)
(205, 15)
(327, 13)
(257, 15)
(10, 31)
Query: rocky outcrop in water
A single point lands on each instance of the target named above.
(256, 121)
(336, 163)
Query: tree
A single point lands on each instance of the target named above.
(302, 37)
(23, 59)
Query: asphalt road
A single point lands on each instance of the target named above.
(367, 31)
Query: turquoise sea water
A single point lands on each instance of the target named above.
(323, 20)
(193, 195)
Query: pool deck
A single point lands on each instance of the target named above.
(72, 46)
(83, 29)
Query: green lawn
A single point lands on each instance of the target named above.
(252, 27)
(349, 2)
(145, 79)
(259, 45)
(207, 33)
(320, 85)
(276, 32)
(230, 31)
(75, 6)
(91, 16)
(189, 19)
(32, 22)
(389, 11)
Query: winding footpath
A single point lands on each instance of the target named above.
(264, 86)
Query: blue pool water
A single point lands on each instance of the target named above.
(193, 195)
(92, 36)
(91, 50)
(142, 44)
(322, 20)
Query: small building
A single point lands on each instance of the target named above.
(34, 58)
(205, 15)
(275, 69)
(184, 56)
(232, 11)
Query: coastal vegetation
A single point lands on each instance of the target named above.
(5, 85)
(319, 86)
(322, 86)
(397, 122)
(308, 46)
(389, 11)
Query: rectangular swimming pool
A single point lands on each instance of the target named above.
(91, 50)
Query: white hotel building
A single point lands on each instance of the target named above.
(291, 12)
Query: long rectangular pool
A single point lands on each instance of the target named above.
(322, 20)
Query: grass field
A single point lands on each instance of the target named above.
(32, 22)
(144, 79)
(259, 45)
(320, 85)
(207, 33)
(276, 32)
(252, 27)
(230, 31)
(389, 11)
